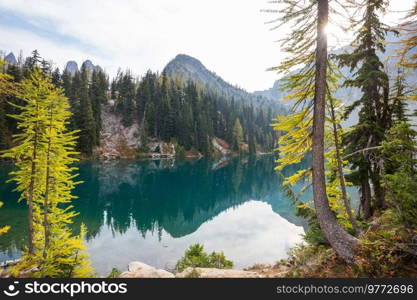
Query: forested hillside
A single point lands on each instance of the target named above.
(189, 68)
(169, 107)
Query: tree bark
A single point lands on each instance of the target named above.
(46, 208)
(366, 196)
(46, 200)
(31, 187)
(30, 201)
(342, 242)
(379, 191)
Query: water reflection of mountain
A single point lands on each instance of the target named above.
(153, 195)
(175, 196)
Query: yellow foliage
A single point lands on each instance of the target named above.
(4, 229)
(295, 143)
(48, 177)
(293, 179)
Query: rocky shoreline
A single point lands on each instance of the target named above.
(138, 269)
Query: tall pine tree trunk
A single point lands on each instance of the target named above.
(30, 200)
(340, 171)
(46, 199)
(339, 239)
(365, 195)
(379, 191)
(31, 188)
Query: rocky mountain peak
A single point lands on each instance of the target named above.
(190, 68)
(71, 67)
(10, 59)
(88, 65)
(185, 59)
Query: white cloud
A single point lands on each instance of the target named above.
(16, 40)
(229, 37)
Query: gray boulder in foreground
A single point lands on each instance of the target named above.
(216, 273)
(138, 269)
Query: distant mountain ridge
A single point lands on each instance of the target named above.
(190, 68)
(349, 94)
(72, 66)
(10, 59)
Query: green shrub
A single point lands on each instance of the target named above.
(193, 274)
(179, 150)
(401, 172)
(313, 235)
(196, 257)
(387, 250)
(114, 273)
(403, 189)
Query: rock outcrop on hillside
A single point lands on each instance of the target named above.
(116, 140)
(160, 149)
(221, 146)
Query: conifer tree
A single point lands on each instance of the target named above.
(31, 122)
(88, 134)
(398, 98)
(7, 87)
(142, 97)
(400, 171)
(62, 253)
(164, 110)
(237, 134)
(33, 61)
(125, 98)
(45, 67)
(374, 114)
(185, 123)
(43, 155)
(251, 134)
(56, 78)
(307, 48)
(97, 91)
(72, 86)
(15, 75)
(337, 160)
(294, 146)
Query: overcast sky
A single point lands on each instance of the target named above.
(227, 36)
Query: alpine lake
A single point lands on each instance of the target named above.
(153, 210)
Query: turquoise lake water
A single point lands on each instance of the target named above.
(151, 211)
